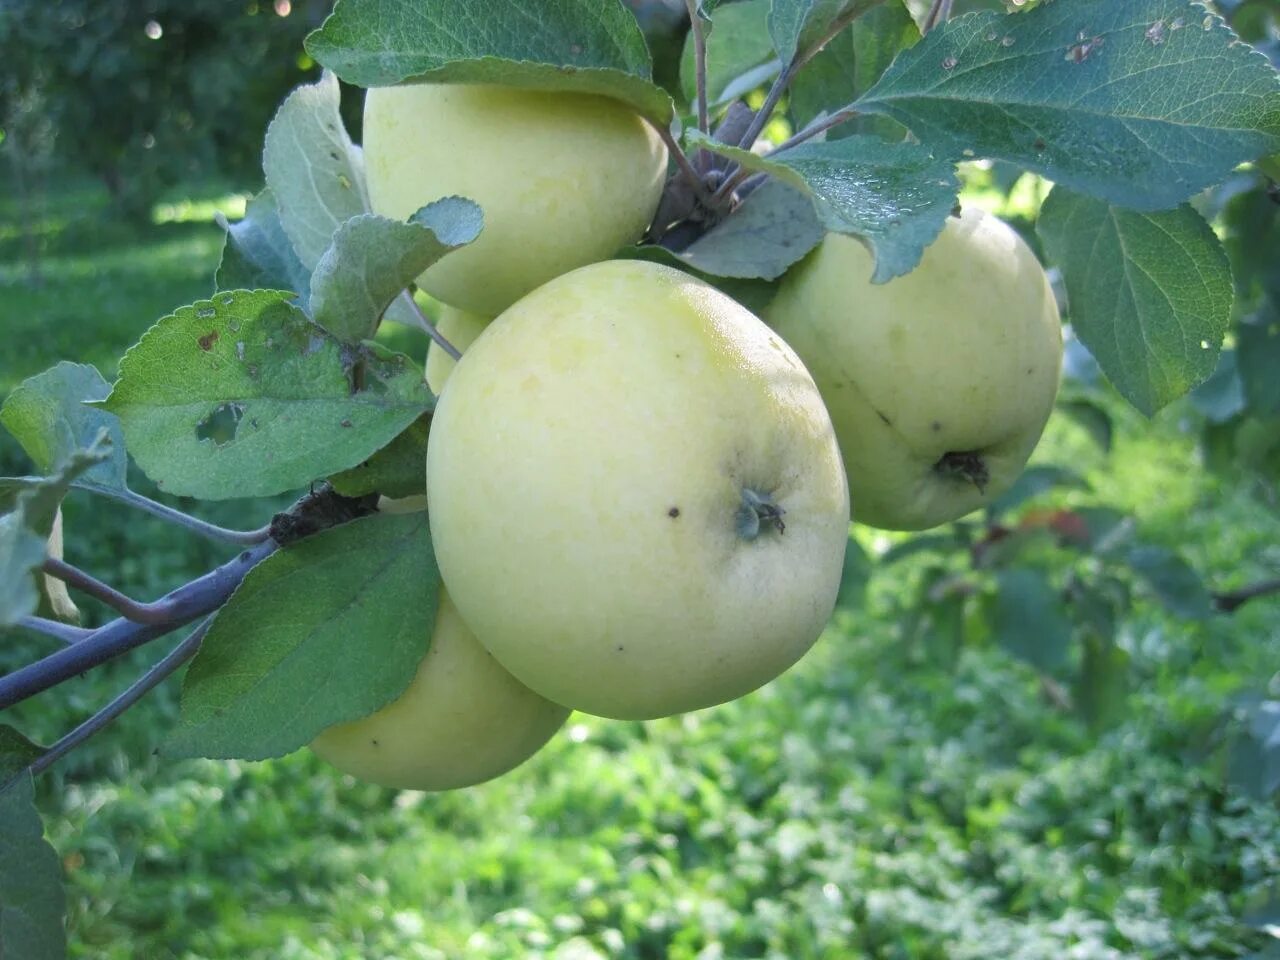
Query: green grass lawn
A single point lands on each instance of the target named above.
(868, 804)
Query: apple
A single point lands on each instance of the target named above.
(939, 382)
(637, 500)
(462, 720)
(564, 179)
(459, 328)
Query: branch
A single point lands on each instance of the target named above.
(133, 610)
(939, 12)
(171, 661)
(428, 327)
(244, 538)
(700, 63)
(52, 628)
(189, 602)
(1231, 600)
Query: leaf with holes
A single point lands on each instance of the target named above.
(849, 66)
(1148, 293)
(372, 259)
(326, 631)
(257, 253)
(243, 396)
(314, 171)
(895, 196)
(1142, 103)
(582, 46)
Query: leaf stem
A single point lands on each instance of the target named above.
(428, 326)
(189, 602)
(211, 531)
(771, 99)
(700, 63)
(52, 628)
(72, 576)
(939, 12)
(818, 126)
(681, 159)
(160, 671)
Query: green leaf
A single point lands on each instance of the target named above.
(32, 900)
(324, 632)
(1093, 417)
(1103, 682)
(1034, 481)
(585, 46)
(1254, 763)
(772, 229)
(372, 259)
(1258, 357)
(257, 253)
(243, 396)
(32, 903)
(397, 470)
(313, 170)
(739, 53)
(895, 196)
(1142, 103)
(854, 578)
(48, 416)
(1221, 396)
(849, 66)
(22, 551)
(925, 543)
(1175, 582)
(1029, 619)
(1148, 293)
(797, 25)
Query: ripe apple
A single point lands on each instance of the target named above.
(459, 328)
(463, 719)
(637, 500)
(564, 179)
(939, 382)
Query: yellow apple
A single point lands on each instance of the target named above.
(939, 382)
(637, 500)
(459, 328)
(463, 719)
(564, 179)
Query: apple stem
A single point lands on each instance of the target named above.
(758, 510)
(967, 466)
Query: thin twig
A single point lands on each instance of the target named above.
(682, 161)
(730, 184)
(189, 602)
(766, 109)
(244, 538)
(428, 327)
(699, 63)
(812, 130)
(52, 628)
(73, 576)
(162, 669)
(1231, 600)
(939, 12)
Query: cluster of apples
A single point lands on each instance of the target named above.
(640, 492)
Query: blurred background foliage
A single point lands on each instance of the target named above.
(918, 787)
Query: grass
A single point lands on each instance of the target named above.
(867, 804)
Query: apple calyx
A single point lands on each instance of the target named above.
(967, 466)
(758, 511)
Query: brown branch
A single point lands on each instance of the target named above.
(1229, 601)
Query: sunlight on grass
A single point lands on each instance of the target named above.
(200, 211)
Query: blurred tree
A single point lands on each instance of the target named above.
(145, 93)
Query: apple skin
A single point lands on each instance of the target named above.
(564, 179)
(459, 328)
(586, 470)
(961, 356)
(463, 720)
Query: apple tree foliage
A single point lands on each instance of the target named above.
(1150, 117)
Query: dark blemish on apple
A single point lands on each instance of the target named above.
(620, 648)
(1029, 369)
(208, 340)
(374, 742)
(887, 421)
(936, 426)
(673, 512)
(346, 423)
